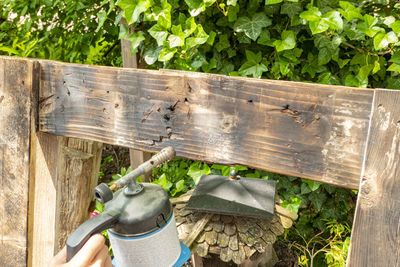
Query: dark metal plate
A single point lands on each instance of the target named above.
(240, 197)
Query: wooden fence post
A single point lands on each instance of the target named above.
(63, 173)
(16, 105)
(137, 157)
(375, 239)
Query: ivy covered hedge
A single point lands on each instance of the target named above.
(323, 41)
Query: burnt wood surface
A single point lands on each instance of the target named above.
(16, 82)
(375, 239)
(300, 129)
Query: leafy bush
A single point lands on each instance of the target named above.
(325, 41)
(71, 31)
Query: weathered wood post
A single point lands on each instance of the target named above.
(57, 173)
(17, 101)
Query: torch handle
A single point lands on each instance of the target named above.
(90, 227)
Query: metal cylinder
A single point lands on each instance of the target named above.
(159, 248)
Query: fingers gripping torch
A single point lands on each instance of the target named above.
(139, 220)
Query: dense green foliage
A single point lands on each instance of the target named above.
(325, 41)
(70, 31)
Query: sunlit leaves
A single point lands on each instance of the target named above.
(288, 41)
(200, 37)
(101, 17)
(197, 170)
(253, 66)
(368, 27)
(395, 26)
(177, 38)
(136, 38)
(382, 40)
(349, 12)
(395, 62)
(167, 52)
(319, 23)
(271, 2)
(159, 33)
(198, 6)
(133, 9)
(252, 26)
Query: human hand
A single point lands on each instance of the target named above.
(93, 254)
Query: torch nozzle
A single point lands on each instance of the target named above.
(165, 155)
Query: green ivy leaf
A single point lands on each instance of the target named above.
(164, 182)
(135, 38)
(179, 186)
(253, 67)
(333, 20)
(198, 169)
(198, 6)
(166, 53)
(159, 33)
(349, 12)
(342, 62)
(312, 14)
(313, 185)
(151, 54)
(365, 71)
(293, 204)
(223, 43)
(200, 37)
(190, 26)
(133, 9)
(377, 67)
(265, 38)
(252, 27)
(123, 31)
(367, 25)
(396, 27)
(318, 23)
(288, 41)
(291, 9)
(177, 38)
(396, 57)
(211, 37)
(394, 67)
(101, 17)
(382, 40)
(231, 2)
(232, 13)
(271, 2)
(324, 56)
(317, 199)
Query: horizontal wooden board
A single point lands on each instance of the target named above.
(375, 239)
(300, 129)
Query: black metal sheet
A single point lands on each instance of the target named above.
(240, 197)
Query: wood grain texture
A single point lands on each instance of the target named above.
(137, 157)
(64, 173)
(306, 130)
(375, 239)
(15, 111)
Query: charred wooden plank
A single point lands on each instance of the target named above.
(375, 239)
(306, 130)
